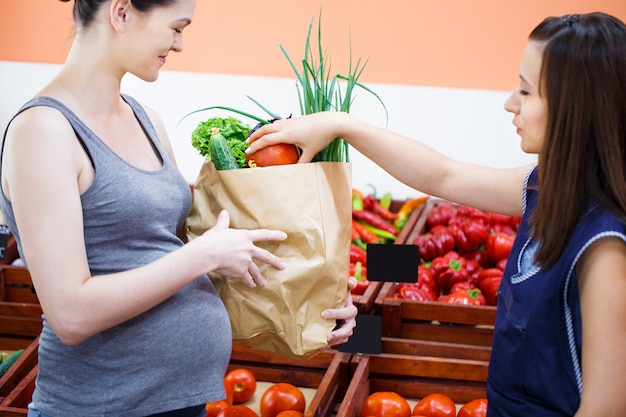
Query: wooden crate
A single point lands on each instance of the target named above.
(326, 373)
(18, 383)
(431, 320)
(20, 311)
(16, 285)
(434, 321)
(413, 377)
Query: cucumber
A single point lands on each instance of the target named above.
(6, 364)
(221, 155)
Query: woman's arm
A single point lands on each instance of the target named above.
(602, 282)
(409, 161)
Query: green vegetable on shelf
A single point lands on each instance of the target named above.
(6, 364)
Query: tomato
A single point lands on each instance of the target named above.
(215, 407)
(474, 408)
(435, 405)
(290, 413)
(280, 397)
(385, 404)
(237, 410)
(279, 154)
(230, 392)
(243, 384)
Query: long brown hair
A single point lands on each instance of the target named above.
(583, 160)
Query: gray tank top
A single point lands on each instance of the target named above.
(171, 357)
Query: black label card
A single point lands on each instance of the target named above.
(392, 263)
(367, 336)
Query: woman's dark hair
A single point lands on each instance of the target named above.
(583, 77)
(85, 10)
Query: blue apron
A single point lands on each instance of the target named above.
(535, 366)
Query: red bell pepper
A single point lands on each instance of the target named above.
(425, 276)
(469, 233)
(434, 243)
(415, 292)
(502, 263)
(473, 269)
(498, 245)
(441, 213)
(474, 214)
(489, 283)
(460, 286)
(440, 263)
(490, 287)
(479, 255)
(467, 297)
(451, 271)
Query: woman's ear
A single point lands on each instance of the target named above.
(119, 13)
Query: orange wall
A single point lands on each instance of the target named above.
(448, 43)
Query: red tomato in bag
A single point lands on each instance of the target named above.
(385, 404)
(280, 397)
(279, 154)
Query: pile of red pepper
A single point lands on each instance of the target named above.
(463, 252)
(374, 222)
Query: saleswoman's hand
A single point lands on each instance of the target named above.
(345, 316)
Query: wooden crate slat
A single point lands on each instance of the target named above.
(23, 392)
(435, 348)
(20, 369)
(333, 387)
(20, 326)
(430, 366)
(13, 412)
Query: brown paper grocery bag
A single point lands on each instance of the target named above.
(312, 204)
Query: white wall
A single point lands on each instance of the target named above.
(470, 125)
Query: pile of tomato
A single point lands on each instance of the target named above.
(463, 252)
(279, 400)
(373, 222)
(391, 404)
